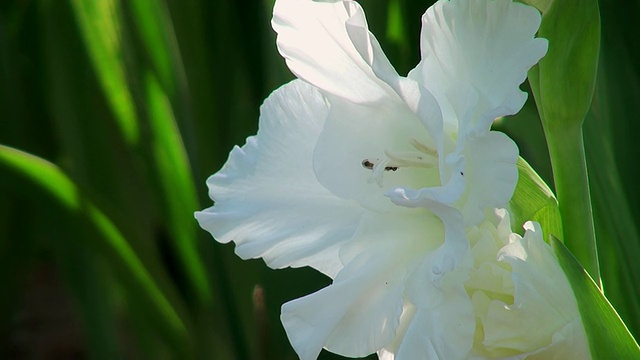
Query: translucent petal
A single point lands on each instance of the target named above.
(267, 198)
(567, 343)
(354, 133)
(491, 174)
(359, 313)
(443, 333)
(543, 301)
(355, 316)
(434, 195)
(475, 54)
(412, 234)
(417, 98)
(313, 38)
(453, 250)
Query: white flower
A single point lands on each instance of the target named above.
(522, 302)
(373, 178)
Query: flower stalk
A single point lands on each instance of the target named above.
(566, 149)
(563, 84)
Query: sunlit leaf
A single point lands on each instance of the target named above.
(156, 33)
(174, 176)
(395, 24)
(533, 200)
(45, 183)
(563, 81)
(97, 310)
(542, 5)
(608, 336)
(611, 147)
(99, 24)
(563, 84)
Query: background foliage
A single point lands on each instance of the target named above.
(122, 109)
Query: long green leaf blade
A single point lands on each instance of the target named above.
(98, 21)
(608, 336)
(533, 200)
(45, 182)
(563, 84)
(176, 181)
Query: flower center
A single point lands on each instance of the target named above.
(422, 157)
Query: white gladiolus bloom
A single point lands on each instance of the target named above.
(382, 183)
(523, 305)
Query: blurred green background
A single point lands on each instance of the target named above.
(126, 107)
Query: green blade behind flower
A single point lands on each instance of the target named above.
(45, 183)
(563, 81)
(103, 32)
(608, 336)
(611, 146)
(166, 103)
(563, 85)
(99, 24)
(96, 306)
(533, 200)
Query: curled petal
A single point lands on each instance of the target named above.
(491, 174)
(417, 98)
(455, 247)
(355, 316)
(543, 301)
(475, 54)
(443, 332)
(313, 38)
(366, 299)
(434, 196)
(438, 321)
(354, 133)
(267, 198)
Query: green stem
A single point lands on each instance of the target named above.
(566, 148)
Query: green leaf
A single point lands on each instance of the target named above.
(611, 147)
(608, 336)
(564, 80)
(395, 24)
(163, 76)
(533, 200)
(563, 84)
(166, 101)
(95, 305)
(542, 5)
(99, 25)
(155, 30)
(177, 185)
(45, 183)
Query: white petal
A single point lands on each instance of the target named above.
(418, 98)
(543, 301)
(491, 174)
(267, 199)
(355, 316)
(425, 196)
(455, 248)
(440, 325)
(368, 47)
(411, 234)
(445, 332)
(567, 343)
(475, 54)
(313, 38)
(443, 325)
(358, 314)
(354, 133)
